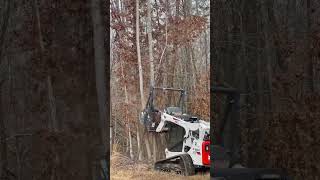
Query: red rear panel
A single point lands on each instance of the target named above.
(206, 153)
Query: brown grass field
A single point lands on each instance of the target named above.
(122, 168)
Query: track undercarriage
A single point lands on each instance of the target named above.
(180, 164)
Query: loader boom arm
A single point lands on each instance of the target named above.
(165, 118)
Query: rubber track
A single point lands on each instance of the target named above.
(185, 163)
(188, 165)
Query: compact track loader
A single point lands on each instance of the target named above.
(190, 137)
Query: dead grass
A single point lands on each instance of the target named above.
(122, 174)
(122, 168)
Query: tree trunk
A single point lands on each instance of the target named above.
(140, 77)
(260, 82)
(128, 149)
(111, 133)
(37, 14)
(206, 50)
(18, 159)
(309, 59)
(3, 142)
(149, 27)
(115, 130)
(127, 145)
(269, 54)
(147, 143)
(52, 105)
(165, 78)
(139, 56)
(154, 138)
(111, 139)
(139, 144)
(130, 142)
(52, 124)
(100, 69)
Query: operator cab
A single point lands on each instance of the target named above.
(177, 112)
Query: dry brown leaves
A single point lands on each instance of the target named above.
(182, 31)
(123, 168)
(200, 98)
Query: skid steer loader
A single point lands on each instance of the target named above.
(189, 142)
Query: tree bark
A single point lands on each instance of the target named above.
(3, 143)
(150, 43)
(155, 153)
(52, 106)
(130, 142)
(269, 54)
(140, 77)
(309, 59)
(3, 135)
(147, 143)
(139, 56)
(139, 150)
(37, 14)
(100, 69)
(152, 83)
(111, 139)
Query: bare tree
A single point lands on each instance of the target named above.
(100, 69)
(140, 85)
(52, 105)
(151, 58)
(150, 43)
(139, 56)
(3, 141)
(126, 116)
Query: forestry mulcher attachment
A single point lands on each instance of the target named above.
(189, 137)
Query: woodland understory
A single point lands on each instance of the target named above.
(156, 43)
(49, 113)
(269, 50)
(50, 126)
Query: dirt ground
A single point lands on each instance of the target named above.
(123, 174)
(122, 168)
(150, 175)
